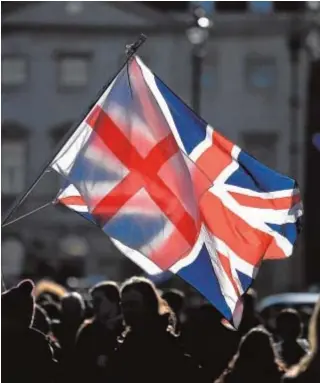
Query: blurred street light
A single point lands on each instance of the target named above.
(204, 22)
(198, 34)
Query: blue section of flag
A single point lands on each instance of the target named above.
(288, 230)
(245, 280)
(255, 176)
(124, 228)
(198, 274)
(192, 130)
(83, 170)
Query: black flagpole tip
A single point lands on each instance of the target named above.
(131, 49)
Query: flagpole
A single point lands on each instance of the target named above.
(131, 50)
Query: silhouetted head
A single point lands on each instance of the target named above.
(18, 306)
(72, 307)
(142, 304)
(106, 300)
(257, 339)
(255, 360)
(175, 299)
(288, 324)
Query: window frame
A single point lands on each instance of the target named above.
(254, 58)
(24, 144)
(14, 132)
(62, 55)
(24, 57)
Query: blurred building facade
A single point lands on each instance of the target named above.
(57, 55)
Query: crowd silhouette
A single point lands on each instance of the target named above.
(134, 333)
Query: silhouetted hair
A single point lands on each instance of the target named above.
(175, 299)
(288, 324)
(147, 289)
(255, 358)
(109, 289)
(157, 306)
(50, 288)
(73, 297)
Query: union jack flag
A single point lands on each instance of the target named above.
(173, 194)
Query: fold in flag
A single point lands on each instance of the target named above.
(173, 194)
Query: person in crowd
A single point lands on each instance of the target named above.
(72, 314)
(291, 347)
(255, 360)
(308, 369)
(250, 317)
(42, 323)
(149, 350)
(175, 299)
(47, 290)
(26, 353)
(65, 330)
(209, 341)
(97, 337)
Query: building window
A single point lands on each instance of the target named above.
(13, 158)
(13, 71)
(73, 70)
(261, 6)
(262, 146)
(12, 257)
(261, 73)
(60, 132)
(74, 7)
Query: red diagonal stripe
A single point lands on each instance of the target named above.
(143, 174)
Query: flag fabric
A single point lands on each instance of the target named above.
(173, 194)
